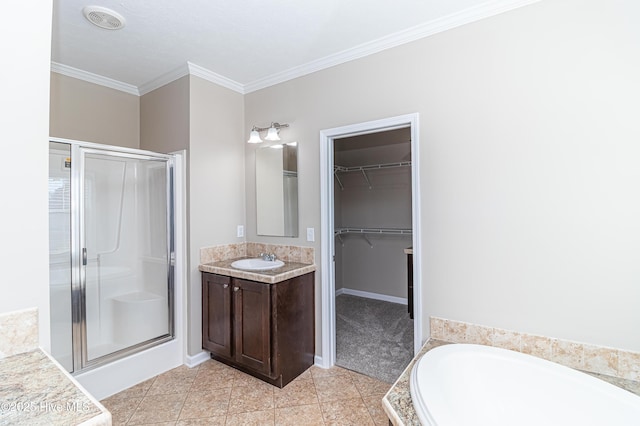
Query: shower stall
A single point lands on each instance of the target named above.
(111, 253)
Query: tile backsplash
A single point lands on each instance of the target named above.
(581, 356)
(233, 251)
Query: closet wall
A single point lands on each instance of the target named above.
(377, 199)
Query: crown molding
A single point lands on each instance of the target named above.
(164, 79)
(94, 78)
(218, 79)
(469, 15)
(466, 16)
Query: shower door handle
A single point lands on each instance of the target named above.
(84, 256)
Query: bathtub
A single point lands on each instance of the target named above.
(463, 384)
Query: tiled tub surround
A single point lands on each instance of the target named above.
(34, 389)
(581, 356)
(397, 402)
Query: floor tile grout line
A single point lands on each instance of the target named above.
(236, 383)
(313, 380)
(197, 370)
(141, 399)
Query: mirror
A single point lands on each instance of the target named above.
(277, 190)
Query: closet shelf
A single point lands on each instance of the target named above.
(371, 167)
(364, 231)
(363, 169)
(387, 231)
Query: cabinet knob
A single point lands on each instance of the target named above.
(225, 285)
(236, 288)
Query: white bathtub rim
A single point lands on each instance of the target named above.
(436, 356)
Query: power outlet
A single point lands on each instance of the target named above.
(240, 231)
(311, 234)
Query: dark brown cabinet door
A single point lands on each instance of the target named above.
(252, 327)
(217, 315)
(266, 330)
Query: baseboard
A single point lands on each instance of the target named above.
(369, 295)
(197, 359)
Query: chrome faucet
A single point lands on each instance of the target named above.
(268, 256)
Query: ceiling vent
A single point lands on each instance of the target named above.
(103, 17)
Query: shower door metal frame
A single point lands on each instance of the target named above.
(81, 363)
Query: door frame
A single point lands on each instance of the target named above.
(79, 153)
(327, 242)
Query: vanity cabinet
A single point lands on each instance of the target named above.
(266, 330)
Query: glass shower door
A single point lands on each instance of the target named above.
(124, 251)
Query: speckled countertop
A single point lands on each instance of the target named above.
(287, 271)
(35, 391)
(397, 402)
(399, 408)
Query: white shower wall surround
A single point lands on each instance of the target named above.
(582, 356)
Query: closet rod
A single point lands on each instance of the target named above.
(371, 167)
(385, 231)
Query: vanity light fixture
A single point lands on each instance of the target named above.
(272, 133)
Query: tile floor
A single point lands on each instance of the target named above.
(215, 394)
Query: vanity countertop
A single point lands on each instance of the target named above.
(408, 250)
(287, 271)
(35, 390)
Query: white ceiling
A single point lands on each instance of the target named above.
(244, 44)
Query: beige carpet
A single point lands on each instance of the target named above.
(373, 337)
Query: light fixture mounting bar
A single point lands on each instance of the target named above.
(276, 126)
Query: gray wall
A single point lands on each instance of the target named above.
(529, 163)
(164, 117)
(92, 113)
(381, 267)
(216, 182)
(206, 119)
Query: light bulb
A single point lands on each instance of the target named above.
(254, 137)
(272, 134)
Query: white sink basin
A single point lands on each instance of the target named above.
(257, 264)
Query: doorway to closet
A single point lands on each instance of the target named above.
(370, 217)
(372, 229)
